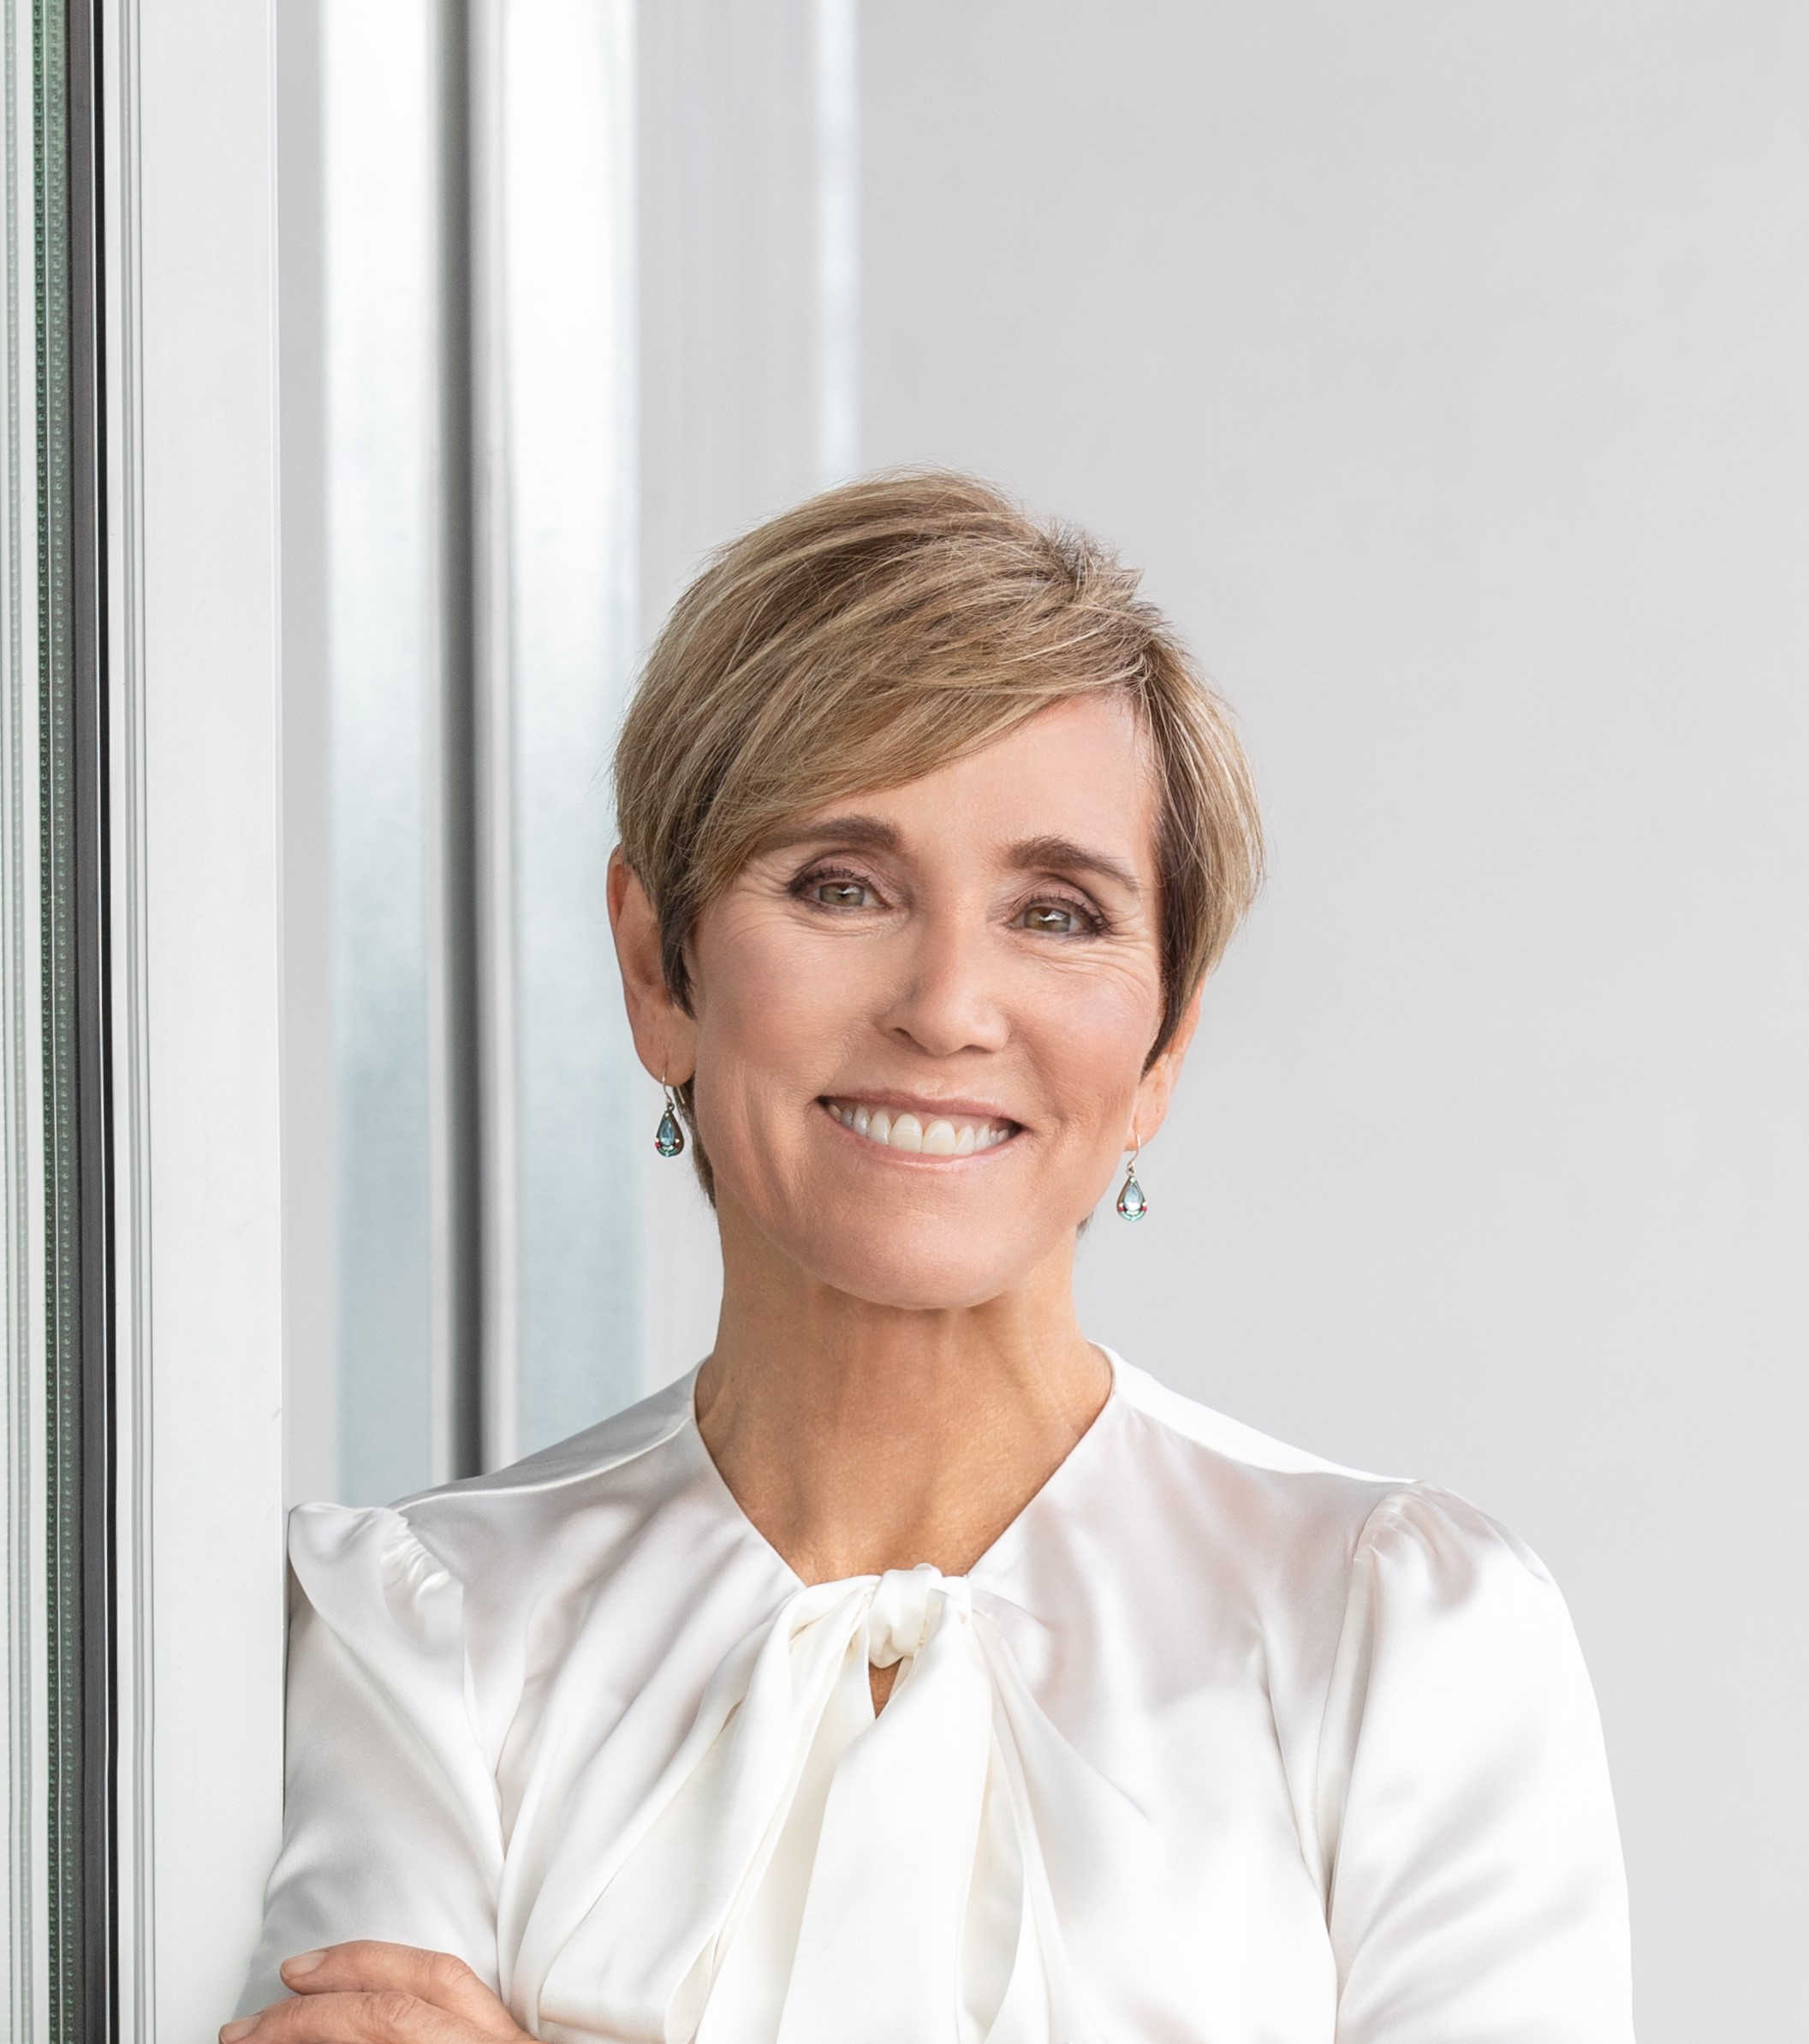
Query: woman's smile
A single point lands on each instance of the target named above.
(937, 1131)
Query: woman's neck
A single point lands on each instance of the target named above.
(859, 1438)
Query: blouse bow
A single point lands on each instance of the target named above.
(805, 1871)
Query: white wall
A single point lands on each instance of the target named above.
(1444, 367)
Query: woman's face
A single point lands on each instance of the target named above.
(920, 1017)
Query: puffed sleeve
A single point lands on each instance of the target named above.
(390, 1822)
(1478, 1895)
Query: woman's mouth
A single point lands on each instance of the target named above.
(927, 1134)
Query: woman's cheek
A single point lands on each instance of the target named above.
(1102, 1023)
(768, 996)
(795, 1009)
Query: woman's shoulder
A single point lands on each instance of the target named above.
(1230, 1439)
(1220, 1466)
(1291, 1505)
(615, 1443)
(502, 1524)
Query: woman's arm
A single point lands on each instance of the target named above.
(391, 1830)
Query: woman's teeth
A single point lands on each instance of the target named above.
(937, 1138)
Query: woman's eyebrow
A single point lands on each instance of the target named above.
(871, 833)
(1049, 854)
(1063, 855)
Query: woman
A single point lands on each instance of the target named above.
(918, 1669)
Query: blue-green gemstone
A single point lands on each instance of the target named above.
(669, 1139)
(1131, 1202)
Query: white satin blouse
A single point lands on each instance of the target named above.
(1218, 1744)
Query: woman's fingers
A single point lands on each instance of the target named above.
(368, 1993)
(388, 2016)
(366, 1966)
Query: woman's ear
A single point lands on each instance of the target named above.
(665, 1037)
(1156, 1088)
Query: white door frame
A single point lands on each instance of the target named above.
(191, 339)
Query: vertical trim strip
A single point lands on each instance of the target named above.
(88, 537)
(452, 911)
(24, 1997)
(491, 583)
(135, 1646)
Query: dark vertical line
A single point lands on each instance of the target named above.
(94, 1048)
(62, 1465)
(71, 581)
(458, 748)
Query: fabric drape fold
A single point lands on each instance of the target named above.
(873, 1876)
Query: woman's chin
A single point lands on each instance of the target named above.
(929, 1246)
(919, 1269)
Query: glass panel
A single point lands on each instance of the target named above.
(382, 522)
(478, 644)
(568, 313)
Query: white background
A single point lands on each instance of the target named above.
(1445, 368)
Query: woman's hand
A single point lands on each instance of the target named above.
(370, 1993)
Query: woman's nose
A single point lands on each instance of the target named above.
(948, 998)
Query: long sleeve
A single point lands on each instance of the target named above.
(1478, 1895)
(390, 1826)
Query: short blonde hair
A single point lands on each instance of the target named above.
(881, 630)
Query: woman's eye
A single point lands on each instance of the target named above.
(1053, 920)
(841, 894)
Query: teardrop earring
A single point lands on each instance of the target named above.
(1132, 1205)
(669, 1138)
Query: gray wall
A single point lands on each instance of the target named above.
(1444, 368)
